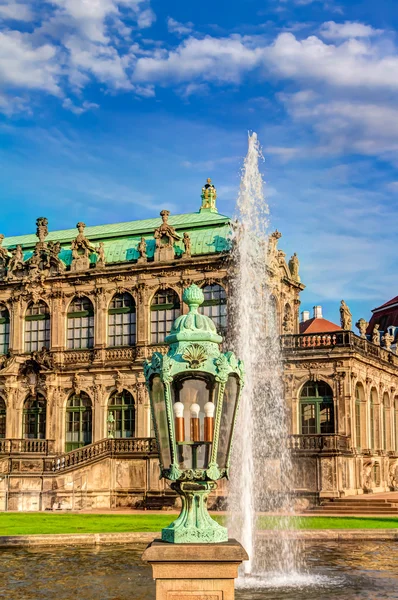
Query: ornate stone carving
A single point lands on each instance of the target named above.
(100, 250)
(4, 258)
(345, 317)
(273, 241)
(142, 247)
(294, 266)
(288, 320)
(186, 240)
(81, 250)
(43, 358)
(53, 261)
(165, 236)
(362, 325)
(119, 382)
(77, 383)
(387, 339)
(16, 264)
(376, 335)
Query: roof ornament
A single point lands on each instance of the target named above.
(4, 258)
(209, 196)
(81, 250)
(294, 266)
(362, 325)
(165, 235)
(345, 317)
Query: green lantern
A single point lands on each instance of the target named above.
(194, 392)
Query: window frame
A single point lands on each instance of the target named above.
(123, 408)
(131, 322)
(316, 402)
(79, 410)
(219, 316)
(158, 336)
(39, 420)
(37, 344)
(74, 342)
(4, 329)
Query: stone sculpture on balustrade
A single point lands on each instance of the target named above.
(142, 248)
(362, 325)
(294, 266)
(387, 340)
(376, 335)
(186, 240)
(345, 317)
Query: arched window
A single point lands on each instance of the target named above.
(3, 416)
(122, 407)
(4, 329)
(359, 397)
(165, 308)
(37, 326)
(373, 418)
(78, 421)
(80, 324)
(215, 306)
(316, 408)
(121, 321)
(34, 417)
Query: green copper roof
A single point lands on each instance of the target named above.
(208, 231)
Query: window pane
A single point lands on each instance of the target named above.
(308, 419)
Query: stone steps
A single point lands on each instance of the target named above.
(358, 506)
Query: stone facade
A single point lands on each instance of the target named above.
(79, 313)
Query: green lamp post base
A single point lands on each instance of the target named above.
(194, 524)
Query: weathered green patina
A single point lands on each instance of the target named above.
(208, 231)
(194, 465)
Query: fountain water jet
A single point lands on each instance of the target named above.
(261, 463)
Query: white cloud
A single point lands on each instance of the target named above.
(349, 29)
(24, 65)
(221, 60)
(180, 28)
(78, 110)
(15, 11)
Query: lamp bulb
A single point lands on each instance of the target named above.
(178, 409)
(195, 409)
(209, 409)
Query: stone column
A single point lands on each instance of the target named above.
(143, 417)
(143, 317)
(58, 321)
(100, 318)
(195, 571)
(98, 412)
(18, 308)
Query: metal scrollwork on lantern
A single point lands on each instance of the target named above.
(194, 392)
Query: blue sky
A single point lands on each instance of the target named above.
(111, 110)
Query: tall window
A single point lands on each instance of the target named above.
(37, 326)
(316, 408)
(34, 417)
(358, 428)
(80, 324)
(3, 417)
(122, 407)
(373, 418)
(215, 306)
(78, 421)
(165, 308)
(121, 321)
(4, 329)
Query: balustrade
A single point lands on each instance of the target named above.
(319, 443)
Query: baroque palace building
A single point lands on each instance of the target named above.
(81, 311)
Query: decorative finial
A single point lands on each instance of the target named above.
(41, 228)
(193, 296)
(209, 196)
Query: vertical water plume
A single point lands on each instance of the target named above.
(261, 463)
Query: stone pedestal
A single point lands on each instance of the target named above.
(164, 254)
(195, 571)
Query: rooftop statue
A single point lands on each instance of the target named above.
(209, 196)
(16, 262)
(345, 317)
(142, 251)
(362, 325)
(294, 266)
(41, 228)
(4, 257)
(81, 250)
(165, 235)
(273, 241)
(376, 335)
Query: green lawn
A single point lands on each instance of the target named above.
(30, 523)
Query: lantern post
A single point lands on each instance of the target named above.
(194, 394)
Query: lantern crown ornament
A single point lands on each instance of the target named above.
(194, 392)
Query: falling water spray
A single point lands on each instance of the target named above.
(261, 464)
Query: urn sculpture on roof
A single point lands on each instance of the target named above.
(209, 196)
(194, 393)
(81, 250)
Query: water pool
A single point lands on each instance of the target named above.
(345, 570)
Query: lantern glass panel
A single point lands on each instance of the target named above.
(199, 390)
(231, 394)
(161, 424)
